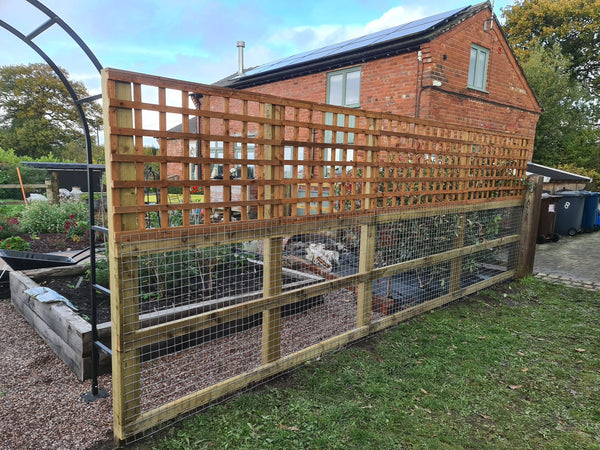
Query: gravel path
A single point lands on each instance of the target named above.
(40, 403)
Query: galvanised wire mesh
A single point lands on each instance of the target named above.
(263, 246)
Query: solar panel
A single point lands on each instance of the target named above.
(378, 37)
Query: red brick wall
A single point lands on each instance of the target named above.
(394, 84)
(404, 85)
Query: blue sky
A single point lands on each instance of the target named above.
(196, 40)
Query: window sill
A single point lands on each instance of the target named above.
(473, 88)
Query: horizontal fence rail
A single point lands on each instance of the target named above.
(250, 233)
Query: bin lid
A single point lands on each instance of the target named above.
(570, 194)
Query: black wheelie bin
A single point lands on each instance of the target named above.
(569, 212)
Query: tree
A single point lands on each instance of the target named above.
(566, 132)
(571, 24)
(556, 43)
(37, 114)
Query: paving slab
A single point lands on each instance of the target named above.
(574, 258)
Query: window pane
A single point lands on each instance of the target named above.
(336, 89)
(352, 88)
(472, 65)
(480, 72)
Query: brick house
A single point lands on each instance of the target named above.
(453, 67)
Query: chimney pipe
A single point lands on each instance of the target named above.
(240, 46)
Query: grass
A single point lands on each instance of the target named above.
(515, 366)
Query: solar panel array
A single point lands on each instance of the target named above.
(370, 40)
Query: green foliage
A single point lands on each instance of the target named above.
(76, 230)
(418, 238)
(594, 185)
(42, 217)
(9, 175)
(566, 132)
(8, 226)
(9, 157)
(102, 272)
(14, 243)
(572, 25)
(161, 272)
(39, 117)
(556, 43)
(10, 161)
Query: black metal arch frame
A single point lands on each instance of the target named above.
(54, 19)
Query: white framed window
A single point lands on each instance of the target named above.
(343, 87)
(478, 67)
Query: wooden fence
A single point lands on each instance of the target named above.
(351, 220)
(50, 186)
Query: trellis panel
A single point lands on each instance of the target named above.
(429, 209)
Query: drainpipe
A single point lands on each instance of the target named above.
(196, 99)
(419, 83)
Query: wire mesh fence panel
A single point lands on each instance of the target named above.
(251, 233)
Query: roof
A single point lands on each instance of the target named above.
(179, 128)
(555, 174)
(55, 165)
(392, 41)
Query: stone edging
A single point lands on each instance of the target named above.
(571, 282)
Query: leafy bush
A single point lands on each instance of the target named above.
(42, 217)
(102, 272)
(9, 162)
(8, 226)
(14, 243)
(594, 185)
(76, 230)
(8, 175)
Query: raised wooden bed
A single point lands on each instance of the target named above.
(70, 336)
(65, 332)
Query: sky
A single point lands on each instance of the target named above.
(195, 40)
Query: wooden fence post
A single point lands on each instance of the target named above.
(273, 247)
(368, 235)
(366, 261)
(52, 191)
(456, 263)
(123, 269)
(529, 224)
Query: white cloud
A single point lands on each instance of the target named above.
(289, 41)
(394, 17)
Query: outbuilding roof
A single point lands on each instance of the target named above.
(385, 43)
(555, 174)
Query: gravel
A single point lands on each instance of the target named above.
(40, 398)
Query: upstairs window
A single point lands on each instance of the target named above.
(343, 87)
(478, 67)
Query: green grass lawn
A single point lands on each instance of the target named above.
(515, 366)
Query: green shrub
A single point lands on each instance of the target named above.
(42, 217)
(9, 162)
(102, 272)
(14, 243)
(8, 175)
(8, 226)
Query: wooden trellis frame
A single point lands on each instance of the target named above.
(315, 165)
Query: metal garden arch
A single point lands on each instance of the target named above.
(53, 19)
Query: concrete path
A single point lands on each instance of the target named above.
(574, 261)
